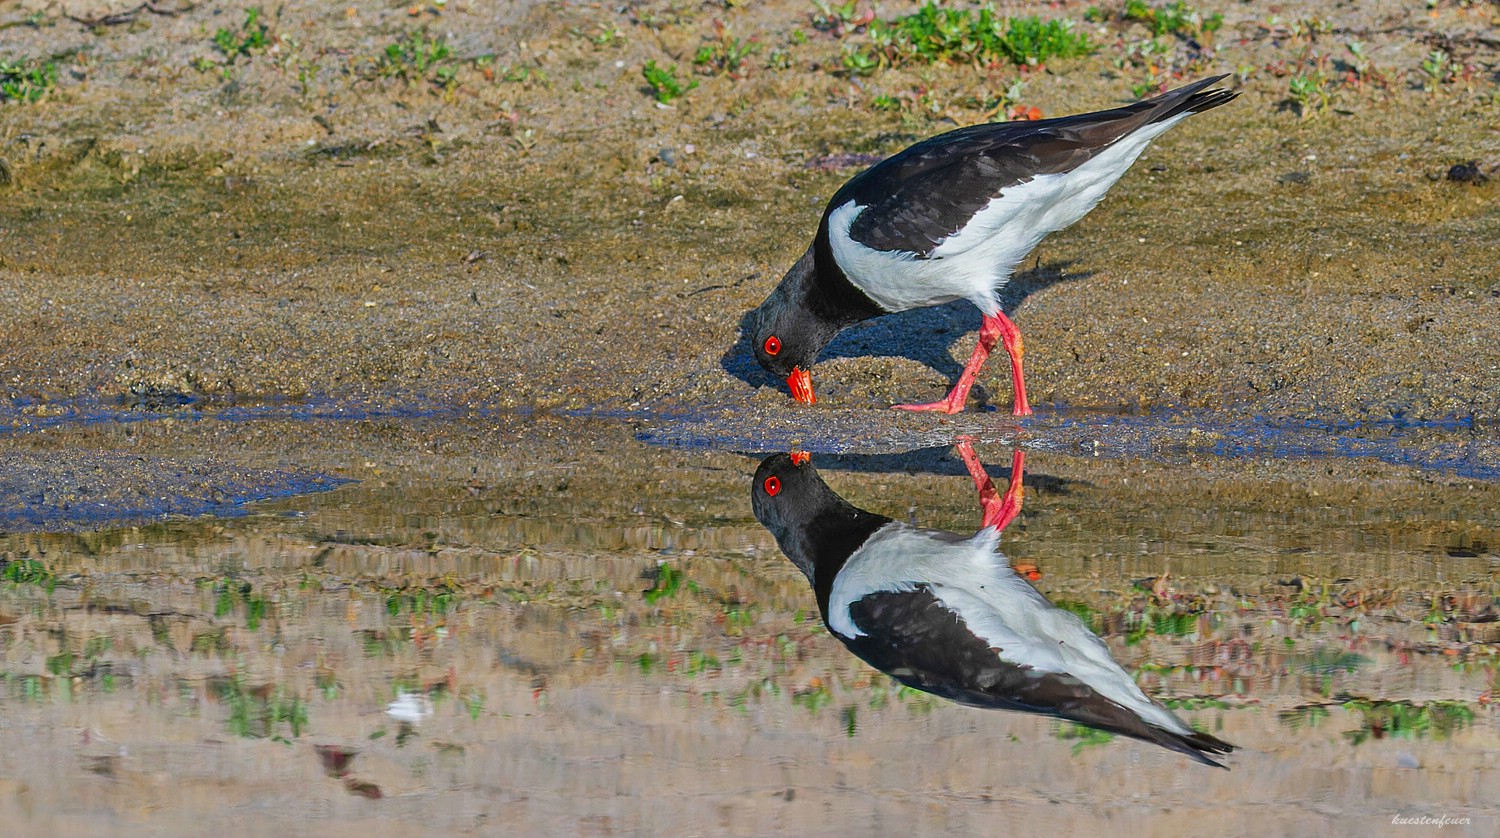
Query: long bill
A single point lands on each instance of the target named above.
(800, 383)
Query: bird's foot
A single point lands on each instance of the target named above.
(948, 406)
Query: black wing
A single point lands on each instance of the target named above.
(926, 193)
(915, 639)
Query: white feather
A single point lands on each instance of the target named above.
(974, 580)
(975, 262)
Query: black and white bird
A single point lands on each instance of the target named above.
(948, 219)
(947, 614)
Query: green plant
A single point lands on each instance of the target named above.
(607, 35)
(249, 38)
(1310, 92)
(26, 79)
(1437, 70)
(664, 83)
(858, 62)
(726, 54)
(1175, 18)
(1359, 65)
(935, 34)
(417, 57)
(838, 18)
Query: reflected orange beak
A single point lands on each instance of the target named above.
(800, 383)
(801, 458)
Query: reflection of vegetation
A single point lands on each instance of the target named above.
(1327, 660)
(1310, 716)
(228, 594)
(814, 698)
(214, 641)
(1379, 719)
(1199, 703)
(259, 712)
(380, 643)
(474, 703)
(1160, 622)
(1084, 736)
(1081, 610)
(28, 572)
(753, 692)
(438, 600)
(28, 687)
(668, 581)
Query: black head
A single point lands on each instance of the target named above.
(785, 494)
(787, 331)
(812, 525)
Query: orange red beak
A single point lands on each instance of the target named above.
(800, 383)
(801, 458)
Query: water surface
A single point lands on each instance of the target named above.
(547, 625)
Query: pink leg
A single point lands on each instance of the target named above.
(994, 328)
(998, 511)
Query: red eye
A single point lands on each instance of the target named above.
(773, 345)
(773, 486)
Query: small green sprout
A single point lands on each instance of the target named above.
(664, 83)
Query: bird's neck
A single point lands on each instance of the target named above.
(821, 546)
(829, 293)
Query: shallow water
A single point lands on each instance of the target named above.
(550, 625)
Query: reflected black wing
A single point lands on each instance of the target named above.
(915, 639)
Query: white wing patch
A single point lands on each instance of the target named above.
(975, 262)
(974, 580)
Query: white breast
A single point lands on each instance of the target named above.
(974, 580)
(976, 262)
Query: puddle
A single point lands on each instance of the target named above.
(548, 624)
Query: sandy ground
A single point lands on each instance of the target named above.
(542, 235)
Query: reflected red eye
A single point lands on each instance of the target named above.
(773, 485)
(773, 345)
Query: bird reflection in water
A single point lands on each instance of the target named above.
(947, 613)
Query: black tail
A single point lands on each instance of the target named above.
(1192, 98)
(1197, 746)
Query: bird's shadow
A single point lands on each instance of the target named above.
(939, 460)
(923, 335)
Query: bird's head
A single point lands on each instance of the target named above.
(784, 349)
(787, 334)
(786, 495)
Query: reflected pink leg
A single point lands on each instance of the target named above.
(995, 328)
(998, 511)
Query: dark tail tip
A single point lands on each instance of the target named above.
(1198, 746)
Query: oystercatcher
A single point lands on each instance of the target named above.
(950, 218)
(946, 613)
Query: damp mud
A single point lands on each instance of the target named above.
(377, 430)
